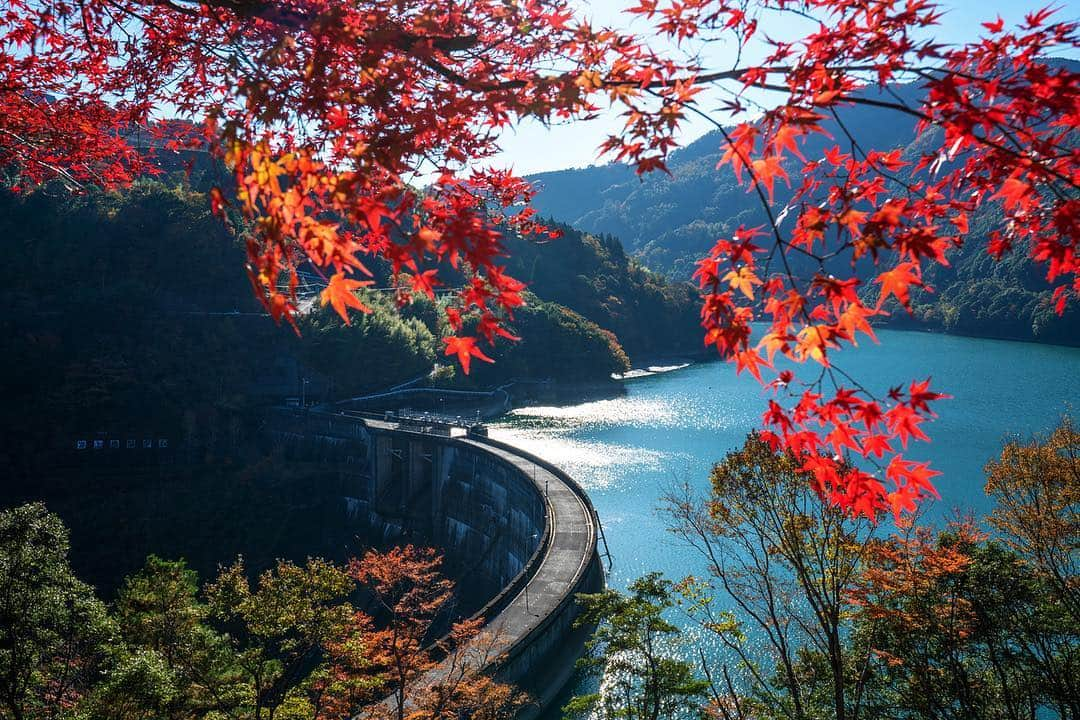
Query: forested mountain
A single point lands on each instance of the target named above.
(128, 318)
(651, 315)
(669, 222)
(132, 309)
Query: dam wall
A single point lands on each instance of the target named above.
(518, 534)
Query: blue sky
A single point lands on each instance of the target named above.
(531, 147)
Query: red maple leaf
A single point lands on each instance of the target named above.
(465, 348)
(340, 292)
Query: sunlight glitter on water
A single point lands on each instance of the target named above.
(596, 465)
(634, 411)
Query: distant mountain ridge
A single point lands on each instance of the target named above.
(669, 222)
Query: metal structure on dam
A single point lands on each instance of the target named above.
(522, 532)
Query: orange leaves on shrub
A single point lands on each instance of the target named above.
(910, 579)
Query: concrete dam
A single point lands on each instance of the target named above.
(518, 530)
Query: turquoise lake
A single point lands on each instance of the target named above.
(670, 427)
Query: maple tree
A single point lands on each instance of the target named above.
(996, 120)
(408, 593)
(428, 678)
(325, 111)
(1036, 488)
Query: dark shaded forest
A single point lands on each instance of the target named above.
(130, 321)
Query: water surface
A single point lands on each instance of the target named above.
(670, 427)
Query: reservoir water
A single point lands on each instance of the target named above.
(670, 427)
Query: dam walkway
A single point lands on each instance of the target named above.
(564, 558)
(530, 622)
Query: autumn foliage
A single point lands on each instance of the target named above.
(1036, 489)
(803, 611)
(325, 112)
(997, 118)
(431, 677)
(316, 641)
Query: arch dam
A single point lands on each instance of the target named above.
(517, 534)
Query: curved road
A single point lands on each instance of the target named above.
(571, 547)
(554, 575)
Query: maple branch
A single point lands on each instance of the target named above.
(269, 12)
(299, 20)
(738, 73)
(60, 172)
(908, 110)
(190, 12)
(780, 243)
(898, 106)
(753, 176)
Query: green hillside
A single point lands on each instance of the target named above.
(670, 222)
(133, 309)
(651, 315)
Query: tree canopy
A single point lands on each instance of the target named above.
(287, 644)
(802, 612)
(325, 112)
